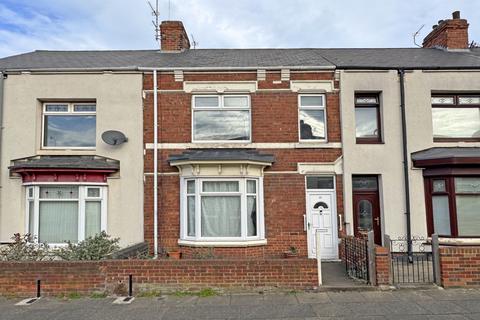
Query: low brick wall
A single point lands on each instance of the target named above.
(18, 278)
(460, 266)
(382, 265)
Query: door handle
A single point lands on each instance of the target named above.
(377, 220)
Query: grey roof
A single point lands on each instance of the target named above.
(382, 58)
(222, 155)
(66, 162)
(408, 58)
(445, 152)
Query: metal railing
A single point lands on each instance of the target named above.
(356, 258)
(415, 268)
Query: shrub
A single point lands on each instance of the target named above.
(98, 247)
(23, 248)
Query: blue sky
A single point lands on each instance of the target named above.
(27, 25)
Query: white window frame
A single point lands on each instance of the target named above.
(221, 107)
(243, 195)
(82, 199)
(69, 112)
(319, 107)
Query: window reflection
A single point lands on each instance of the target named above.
(221, 125)
(366, 122)
(456, 122)
(312, 124)
(69, 131)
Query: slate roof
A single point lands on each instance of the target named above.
(445, 152)
(379, 58)
(66, 162)
(222, 155)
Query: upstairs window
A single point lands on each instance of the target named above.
(69, 125)
(221, 118)
(312, 117)
(367, 119)
(456, 117)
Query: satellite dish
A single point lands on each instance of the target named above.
(113, 137)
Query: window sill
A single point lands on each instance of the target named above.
(224, 244)
(317, 144)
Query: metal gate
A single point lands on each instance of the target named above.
(356, 258)
(414, 269)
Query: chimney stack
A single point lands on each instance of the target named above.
(173, 36)
(449, 33)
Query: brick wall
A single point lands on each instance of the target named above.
(382, 265)
(18, 278)
(460, 266)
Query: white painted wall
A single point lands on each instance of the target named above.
(386, 159)
(119, 107)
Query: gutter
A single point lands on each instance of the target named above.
(401, 74)
(155, 164)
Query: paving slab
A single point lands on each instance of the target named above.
(313, 297)
(249, 300)
(441, 307)
(346, 296)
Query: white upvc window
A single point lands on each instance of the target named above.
(221, 118)
(57, 213)
(222, 209)
(69, 125)
(312, 117)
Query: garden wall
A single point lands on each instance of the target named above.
(460, 266)
(111, 276)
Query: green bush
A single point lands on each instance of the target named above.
(23, 248)
(98, 247)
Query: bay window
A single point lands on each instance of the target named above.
(222, 210)
(456, 117)
(221, 118)
(60, 213)
(454, 206)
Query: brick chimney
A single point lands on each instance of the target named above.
(174, 36)
(449, 34)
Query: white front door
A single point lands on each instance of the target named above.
(321, 216)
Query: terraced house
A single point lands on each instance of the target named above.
(243, 153)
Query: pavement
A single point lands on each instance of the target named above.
(433, 303)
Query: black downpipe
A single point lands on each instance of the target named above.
(401, 74)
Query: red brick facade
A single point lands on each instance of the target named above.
(274, 116)
(19, 278)
(460, 266)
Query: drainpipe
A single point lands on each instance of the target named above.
(401, 74)
(2, 83)
(155, 165)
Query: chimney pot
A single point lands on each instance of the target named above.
(440, 21)
(434, 26)
(456, 15)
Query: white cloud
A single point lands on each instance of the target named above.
(126, 24)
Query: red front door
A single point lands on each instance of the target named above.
(366, 209)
